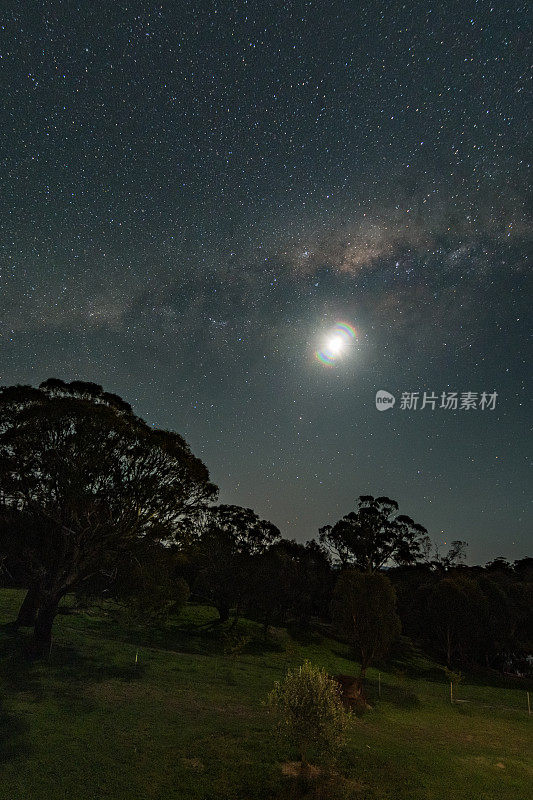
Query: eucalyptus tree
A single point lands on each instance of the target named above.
(231, 539)
(374, 535)
(363, 608)
(82, 479)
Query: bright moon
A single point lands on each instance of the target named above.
(338, 340)
(335, 344)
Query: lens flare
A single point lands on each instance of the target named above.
(338, 339)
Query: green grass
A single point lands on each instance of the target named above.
(187, 722)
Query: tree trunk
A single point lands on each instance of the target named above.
(223, 612)
(361, 678)
(42, 631)
(448, 648)
(305, 767)
(360, 684)
(28, 610)
(236, 618)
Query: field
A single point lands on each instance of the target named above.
(187, 721)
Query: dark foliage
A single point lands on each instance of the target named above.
(374, 535)
(82, 479)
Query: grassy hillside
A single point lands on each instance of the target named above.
(187, 721)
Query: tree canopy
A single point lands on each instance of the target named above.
(230, 537)
(364, 609)
(81, 480)
(373, 535)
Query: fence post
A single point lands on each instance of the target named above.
(528, 705)
(451, 691)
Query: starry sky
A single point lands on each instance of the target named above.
(194, 194)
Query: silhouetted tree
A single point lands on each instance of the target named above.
(468, 615)
(143, 582)
(87, 478)
(495, 626)
(500, 565)
(374, 535)
(364, 609)
(521, 627)
(453, 558)
(290, 582)
(454, 608)
(523, 569)
(230, 538)
(407, 581)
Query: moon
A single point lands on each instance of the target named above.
(339, 338)
(336, 345)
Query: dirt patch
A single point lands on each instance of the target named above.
(351, 692)
(319, 784)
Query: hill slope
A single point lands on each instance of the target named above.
(187, 721)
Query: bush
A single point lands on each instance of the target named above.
(310, 712)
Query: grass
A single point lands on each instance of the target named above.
(187, 721)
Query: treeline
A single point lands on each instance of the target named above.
(96, 503)
(464, 616)
(470, 616)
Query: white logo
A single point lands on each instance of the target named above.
(384, 400)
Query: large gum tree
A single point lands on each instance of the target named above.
(374, 535)
(82, 479)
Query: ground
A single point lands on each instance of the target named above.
(119, 712)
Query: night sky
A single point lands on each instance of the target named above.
(195, 194)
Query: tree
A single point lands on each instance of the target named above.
(407, 581)
(521, 632)
(144, 582)
(453, 558)
(468, 615)
(231, 536)
(290, 581)
(310, 712)
(81, 480)
(455, 609)
(364, 609)
(374, 535)
(523, 569)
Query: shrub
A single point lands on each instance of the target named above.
(310, 712)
